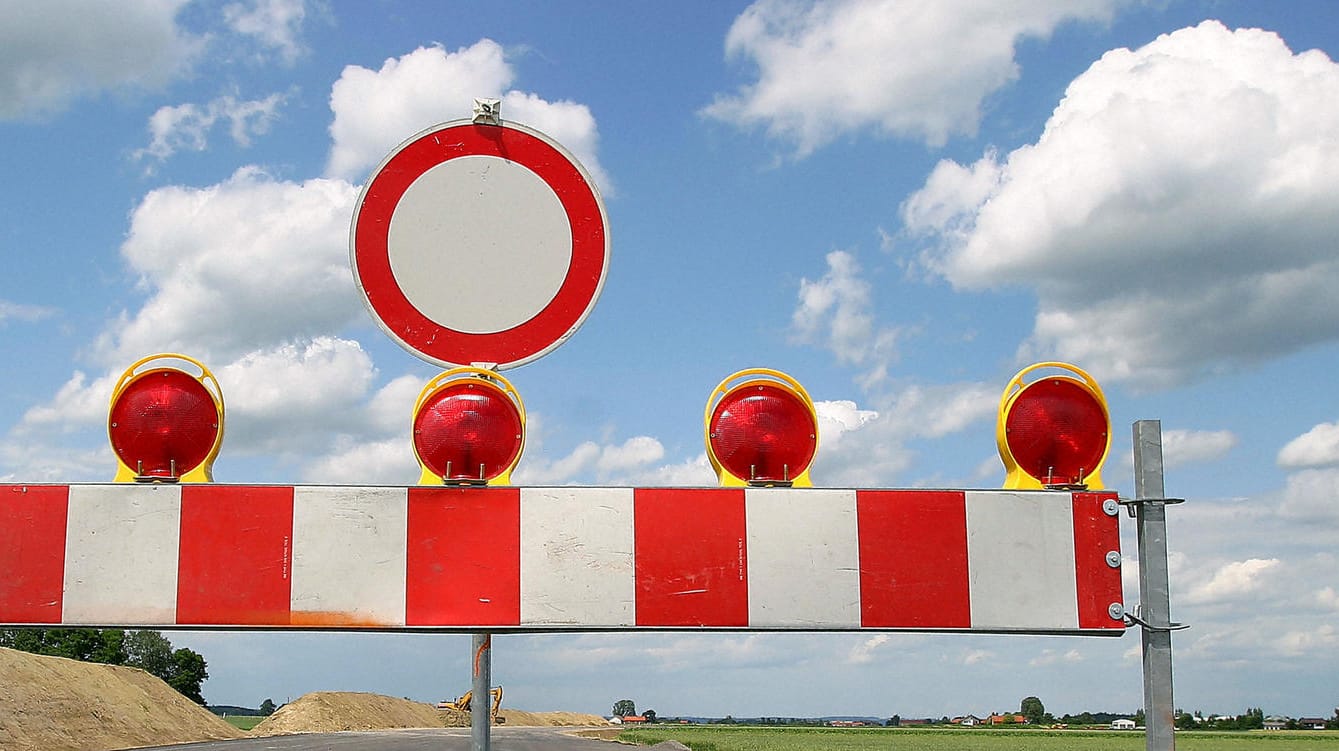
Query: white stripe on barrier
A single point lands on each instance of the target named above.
(577, 557)
(121, 554)
(803, 558)
(349, 556)
(1020, 560)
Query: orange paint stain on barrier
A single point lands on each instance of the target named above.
(336, 619)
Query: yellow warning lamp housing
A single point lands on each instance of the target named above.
(165, 424)
(1054, 432)
(469, 428)
(761, 430)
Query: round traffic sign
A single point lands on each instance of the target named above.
(478, 243)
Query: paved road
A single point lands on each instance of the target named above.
(448, 739)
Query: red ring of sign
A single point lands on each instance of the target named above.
(432, 340)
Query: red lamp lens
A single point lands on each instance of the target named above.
(163, 424)
(763, 433)
(468, 430)
(1057, 431)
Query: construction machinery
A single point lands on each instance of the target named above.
(466, 701)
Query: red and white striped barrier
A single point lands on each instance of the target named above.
(552, 559)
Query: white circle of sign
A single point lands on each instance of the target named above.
(476, 243)
(479, 292)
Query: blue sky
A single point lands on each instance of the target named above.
(900, 204)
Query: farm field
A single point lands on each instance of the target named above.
(717, 738)
(243, 722)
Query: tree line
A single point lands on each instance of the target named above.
(182, 669)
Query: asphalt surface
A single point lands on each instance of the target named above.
(447, 739)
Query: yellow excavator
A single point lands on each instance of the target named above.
(465, 702)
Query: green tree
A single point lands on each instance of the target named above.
(267, 707)
(650, 715)
(895, 721)
(1185, 722)
(624, 708)
(188, 671)
(1032, 710)
(149, 651)
(1254, 719)
(85, 644)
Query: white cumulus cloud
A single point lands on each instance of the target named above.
(869, 447)
(236, 266)
(1177, 216)
(1182, 447)
(1318, 447)
(917, 70)
(1311, 495)
(55, 51)
(835, 311)
(1233, 581)
(377, 109)
(186, 127)
(274, 24)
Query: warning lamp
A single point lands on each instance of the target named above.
(1055, 431)
(165, 423)
(761, 430)
(469, 428)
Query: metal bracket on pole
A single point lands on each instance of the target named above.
(1150, 509)
(1132, 504)
(1133, 620)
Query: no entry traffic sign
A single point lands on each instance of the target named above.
(476, 243)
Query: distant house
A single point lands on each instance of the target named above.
(634, 718)
(1275, 723)
(846, 723)
(1311, 723)
(1006, 719)
(967, 721)
(1122, 724)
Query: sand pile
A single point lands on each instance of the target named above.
(55, 704)
(549, 719)
(328, 711)
(333, 711)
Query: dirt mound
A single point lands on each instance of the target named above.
(55, 704)
(549, 719)
(333, 711)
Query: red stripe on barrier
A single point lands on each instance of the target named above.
(32, 552)
(1099, 585)
(691, 558)
(235, 555)
(913, 559)
(464, 557)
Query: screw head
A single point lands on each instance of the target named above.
(1110, 507)
(1113, 558)
(1116, 611)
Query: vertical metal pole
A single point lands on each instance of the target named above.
(482, 704)
(1154, 594)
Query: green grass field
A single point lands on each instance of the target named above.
(242, 722)
(724, 738)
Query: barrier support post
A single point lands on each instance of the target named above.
(1154, 616)
(482, 705)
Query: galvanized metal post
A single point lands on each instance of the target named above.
(1154, 595)
(481, 704)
